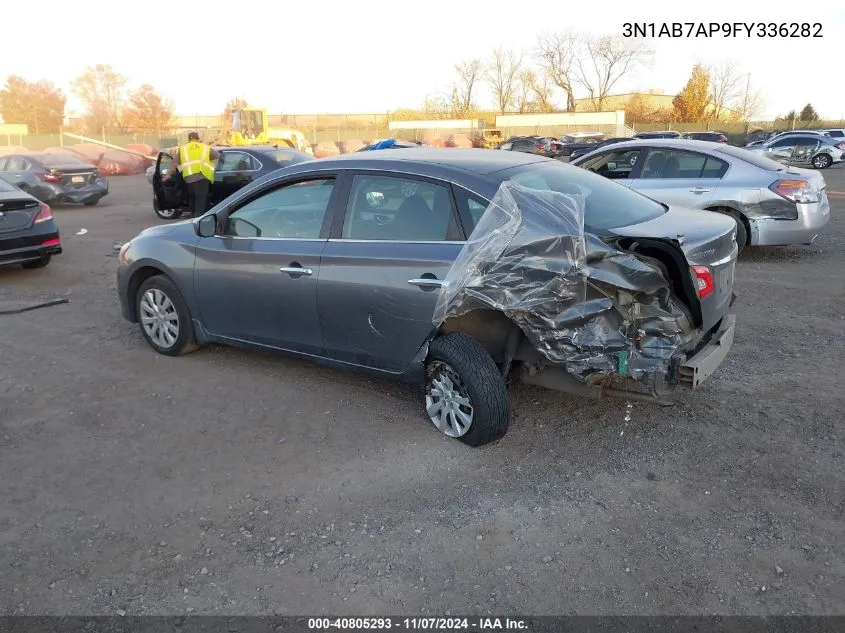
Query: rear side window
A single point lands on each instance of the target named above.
(507, 145)
(608, 205)
(673, 164)
(399, 209)
(236, 161)
(752, 158)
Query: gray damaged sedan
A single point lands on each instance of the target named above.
(458, 270)
(771, 203)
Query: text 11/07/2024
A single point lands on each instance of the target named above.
(722, 29)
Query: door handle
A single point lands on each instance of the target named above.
(296, 270)
(428, 282)
(700, 190)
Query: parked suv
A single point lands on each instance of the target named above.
(455, 270)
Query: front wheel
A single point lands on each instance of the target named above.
(164, 317)
(822, 161)
(465, 394)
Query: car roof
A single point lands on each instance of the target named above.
(671, 143)
(476, 160)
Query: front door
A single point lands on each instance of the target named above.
(256, 280)
(170, 194)
(782, 149)
(805, 149)
(381, 273)
(677, 177)
(235, 169)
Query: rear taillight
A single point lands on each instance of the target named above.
(45, 213)
(703, 277)
(54, 242)
(795, 190)
(540, 146)
(840, 147)
(50, 177)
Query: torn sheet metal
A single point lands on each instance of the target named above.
(588, 306)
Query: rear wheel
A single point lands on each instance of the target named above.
(465, 394)
(822, 161)
(164, 317)
(165, 214)
(41, 262)
(741, 229)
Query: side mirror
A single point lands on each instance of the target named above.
(206, 226)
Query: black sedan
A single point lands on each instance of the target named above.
(236, 167)
(591, 148)
(540, 145)
(28, 233)
(659, 134)
(55, 178)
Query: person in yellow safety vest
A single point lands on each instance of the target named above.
(195, 161)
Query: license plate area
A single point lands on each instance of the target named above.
(77, 180)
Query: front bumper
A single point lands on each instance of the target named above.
(812, 218)
(696, 369)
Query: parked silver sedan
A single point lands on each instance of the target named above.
(772, 204)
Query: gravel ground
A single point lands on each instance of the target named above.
(231, 482)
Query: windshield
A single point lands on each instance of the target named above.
(54, 160)
(753, 158)
(287, 157)
(608, 205)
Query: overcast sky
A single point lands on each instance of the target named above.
(375, 56)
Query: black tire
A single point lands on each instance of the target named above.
(38, 263)
(483, 381)
(167, 214)
(92, 203)
(822, 161)
(185, 341)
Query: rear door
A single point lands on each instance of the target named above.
(170, 194)
(383, 268)
(235, 169)
(256, 281)
(679, 177)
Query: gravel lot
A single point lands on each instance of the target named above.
(234, 482)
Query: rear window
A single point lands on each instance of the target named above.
(752, 158)
(608, 204)
(55, 160)
(287, 157)
(5, 186)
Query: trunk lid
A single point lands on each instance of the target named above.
(705, 238)
(17, 213)
(75, 175)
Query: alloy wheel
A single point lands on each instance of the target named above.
(159, 318)
(447, 401)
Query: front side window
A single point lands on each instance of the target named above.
(613, 164)
(293, 211)
(399, 209)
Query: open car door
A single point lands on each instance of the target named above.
(169, 197)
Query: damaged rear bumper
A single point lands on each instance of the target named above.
(700, 366)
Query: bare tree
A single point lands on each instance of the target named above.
(749, 103)
(605, 60)
(533, 92)
(726, 85)
(557, 53)
(469, 74)
(523, 91)
(502, 77)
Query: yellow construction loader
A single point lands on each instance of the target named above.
(248, 126)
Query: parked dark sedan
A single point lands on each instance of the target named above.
(28, 232)
(659, 134)
(577, 141)
(713, 137)
(455, 269)
(592, 148)
(539, 145)
(55, 178)
(236, 168)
